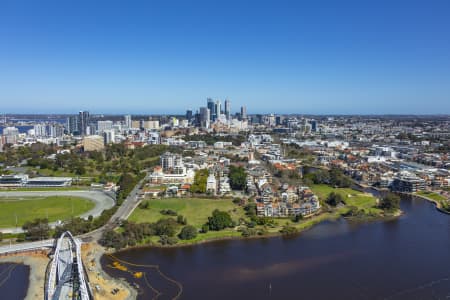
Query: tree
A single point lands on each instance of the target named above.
(219, 220)
(38, 229)
(205, 228)
(200, 179)
(238, 178)
(250, 209)
(288, 230)
(181, 220)
(334, 199)
(297, 218)
(390, 202)
(112, 239)
(166, 227)
(188, 232)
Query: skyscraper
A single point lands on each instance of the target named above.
(189, 114)
(212, 109)
(128, 122)
(204, 117)
(83, 122)
(40, 130)
(228, 109)
(218, 110)
(72, 125)
(243, 113)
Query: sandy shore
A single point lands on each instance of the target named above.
(101, 283)
(37, 261)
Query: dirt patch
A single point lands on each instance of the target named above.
(103, 286)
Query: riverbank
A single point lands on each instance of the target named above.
(38, 262)
(357, 205)
(103, 286)
(436, 202)
(234, 234)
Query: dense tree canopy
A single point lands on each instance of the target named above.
(333, 177)
(390, 202)
(238, 178)
(188, 233)
(219, 220)
(334, 199)
(38, 229)
(200, 179)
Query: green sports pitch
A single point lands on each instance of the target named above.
(16, 211)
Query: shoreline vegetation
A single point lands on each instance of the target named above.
(356, 206)
(436, 199)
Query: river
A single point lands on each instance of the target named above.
(405, 258)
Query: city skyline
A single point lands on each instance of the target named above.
(324, 58)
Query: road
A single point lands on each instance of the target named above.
(122, 213)
(101, 200)
(26, 246)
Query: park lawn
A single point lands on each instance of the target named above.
(431, 195)
(196, 210)
(29, 208)
(352, 197)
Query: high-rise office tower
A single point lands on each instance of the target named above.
(212, 109)
(313, 125)
(189, 114)
(72, 125)
(128, 122)
(204, 117)
(218, 109)
(243, 113)
(228, 109)
(83, 122)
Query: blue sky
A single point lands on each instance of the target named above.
(319, 57)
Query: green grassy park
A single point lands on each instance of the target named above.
(431, 195)
(29, 208)
(362, 201)
(196, 210)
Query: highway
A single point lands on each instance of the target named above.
(101, 200)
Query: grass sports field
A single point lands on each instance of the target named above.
(195, 210)
(29, 208)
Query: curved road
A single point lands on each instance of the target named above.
(100, 199)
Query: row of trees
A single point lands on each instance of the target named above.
(334, 177)
(132, 233)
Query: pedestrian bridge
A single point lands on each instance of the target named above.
(66, 277)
